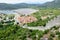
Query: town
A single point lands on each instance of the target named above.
(36, 25)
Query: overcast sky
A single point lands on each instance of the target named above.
(24, 1)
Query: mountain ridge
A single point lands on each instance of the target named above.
(53, 4)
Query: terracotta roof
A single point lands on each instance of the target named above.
(26, 19)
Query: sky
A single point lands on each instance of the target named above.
(24, 1)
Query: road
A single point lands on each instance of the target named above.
(50, 24)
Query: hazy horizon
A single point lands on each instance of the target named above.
(25, 1)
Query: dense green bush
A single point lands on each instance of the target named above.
(15, 32)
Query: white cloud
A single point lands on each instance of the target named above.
(24, 1)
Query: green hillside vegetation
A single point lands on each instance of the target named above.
(15, 32)
(41, 13)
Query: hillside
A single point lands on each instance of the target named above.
(54, 4)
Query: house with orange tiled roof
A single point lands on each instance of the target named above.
(25, 19)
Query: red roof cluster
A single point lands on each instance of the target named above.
(26, 19)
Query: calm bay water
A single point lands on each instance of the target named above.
(21, 11)
(7, 12)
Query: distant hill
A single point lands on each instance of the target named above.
(4, 6)
(11, 6)
(54, 4)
